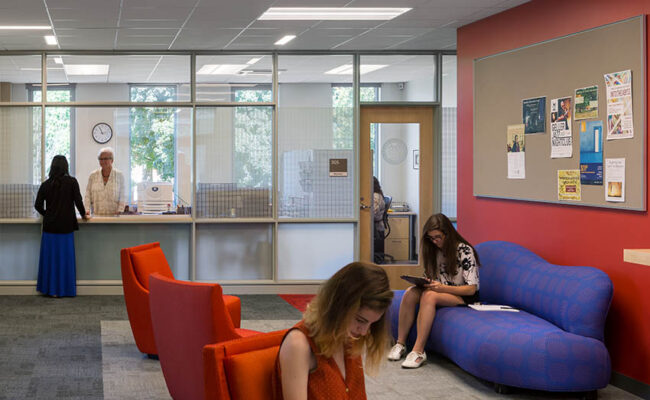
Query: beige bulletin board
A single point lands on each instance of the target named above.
(554, 69)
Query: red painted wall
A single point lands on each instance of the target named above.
(562, 234)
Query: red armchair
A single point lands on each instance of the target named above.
(137, 263)
(187, 316)
(241, 369)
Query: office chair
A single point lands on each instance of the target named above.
(380, 257)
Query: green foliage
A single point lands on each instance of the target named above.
(153, 133)
(253, 140)
(57, 125)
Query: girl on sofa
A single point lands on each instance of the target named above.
(451, 267)
(320, 357)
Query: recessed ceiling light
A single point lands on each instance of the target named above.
(221, 69)
(86, 69)
(25, 27)
(332, 13)
(253, 60)
(285, 40)
(346, 69)
(51, 40)
(58, 60)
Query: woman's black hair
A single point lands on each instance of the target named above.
(376, 186)
(58, 169)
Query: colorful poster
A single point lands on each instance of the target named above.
(534, 114)
(615, 179)
(561, 138)
(568, 184)
(516, 148)
(586, 104)
(620, 122)
(591, 152)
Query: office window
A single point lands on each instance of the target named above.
(315, 132)
(17, 72)
(342, 100)
(153, 133)
(234, 161)
(223, 78)
(449, 170)
(253, 137)
(404, 77)
(107, 78)
(59, 127)
(20, 164)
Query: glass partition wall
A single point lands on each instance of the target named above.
(257, 150)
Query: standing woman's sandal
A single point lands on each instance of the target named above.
(414, 360)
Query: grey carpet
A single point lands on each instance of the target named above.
(76, 348)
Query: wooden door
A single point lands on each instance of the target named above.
(429, 177)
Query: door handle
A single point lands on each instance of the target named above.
(363, 206)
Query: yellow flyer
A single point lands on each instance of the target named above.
(568, 184)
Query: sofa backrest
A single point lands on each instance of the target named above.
(576, 299)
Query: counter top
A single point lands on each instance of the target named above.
(139, 219)
(637, 256)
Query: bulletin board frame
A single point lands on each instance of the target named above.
(554, 69)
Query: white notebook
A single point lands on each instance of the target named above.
(492, 307)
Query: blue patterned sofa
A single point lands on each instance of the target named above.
(555, 343)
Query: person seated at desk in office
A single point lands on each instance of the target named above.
(105, 190)
(378, 211)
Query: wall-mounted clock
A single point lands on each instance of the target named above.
(102, 132)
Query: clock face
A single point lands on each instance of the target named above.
(102, 132)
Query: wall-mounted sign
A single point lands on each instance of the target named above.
(338, 167)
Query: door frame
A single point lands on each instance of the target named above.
(430, 175)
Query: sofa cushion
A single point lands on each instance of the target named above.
(575, 299)
(519, 349)
(146, 262)
(255, 366)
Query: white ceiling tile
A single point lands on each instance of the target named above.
(213, 24)
(216, 39)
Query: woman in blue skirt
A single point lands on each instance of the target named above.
(56, 200)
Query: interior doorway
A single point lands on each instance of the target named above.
(398, 180)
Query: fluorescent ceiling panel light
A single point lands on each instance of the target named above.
(285, 40)
(221, 69)
(86, 69)
(253, 60)
(24, 27)
(332, 13)
(51, 40)
(58, 60)
(346, 69)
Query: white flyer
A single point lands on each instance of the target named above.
(516, 148)
(620, 121)
(615, 179)
(561, 137)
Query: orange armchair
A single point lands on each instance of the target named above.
(137, 263)
(187, 316)
(241, 369)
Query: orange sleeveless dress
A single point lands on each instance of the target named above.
(326, 381)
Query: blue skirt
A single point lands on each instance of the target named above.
(57, 274)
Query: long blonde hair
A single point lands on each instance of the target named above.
(329, 314)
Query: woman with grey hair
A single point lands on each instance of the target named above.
(105, 194)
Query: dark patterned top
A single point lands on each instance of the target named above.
(467, 273)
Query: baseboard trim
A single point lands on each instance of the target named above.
(109, 288)
(631, 385)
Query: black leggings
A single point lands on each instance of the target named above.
(470, 299)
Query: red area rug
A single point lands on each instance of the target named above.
(298, 301)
